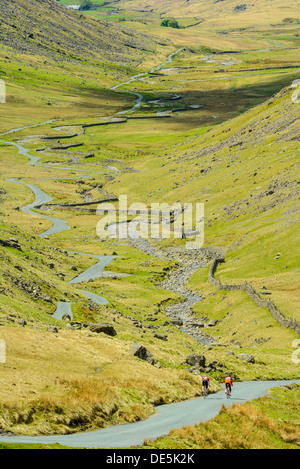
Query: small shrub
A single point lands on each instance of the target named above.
(86, 5)
(170, 23)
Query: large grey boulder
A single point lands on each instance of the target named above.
(160, 336)
(141, 352)
(106, 328)
(196, 360)
(194, 323)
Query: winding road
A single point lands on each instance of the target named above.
(93, 272)
(167, 418)
(140, 97)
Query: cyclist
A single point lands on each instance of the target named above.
(228, 384)
(205, 385)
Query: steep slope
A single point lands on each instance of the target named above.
(47, 29)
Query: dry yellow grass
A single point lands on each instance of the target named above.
(259, 12)
(52, 380)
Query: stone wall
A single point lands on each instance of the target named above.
(276, 314)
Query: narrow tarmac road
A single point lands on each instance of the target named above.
(168, 417)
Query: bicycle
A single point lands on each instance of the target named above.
(205, 385)
(228, 392)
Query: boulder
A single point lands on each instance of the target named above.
(10, 243)
(212, 323)
(196, 360)
(66, 317)
(76, 325)
(106, 328)
(22, 322)
(176, 322)
(141, 352)
(194, 323)
(248, 358)
(160, 336)
(138, 324)
(46, 298)
(151, 318)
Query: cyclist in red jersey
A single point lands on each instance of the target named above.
(228, 384)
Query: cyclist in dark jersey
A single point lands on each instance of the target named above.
(205, 384)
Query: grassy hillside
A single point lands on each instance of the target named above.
(199, 21)
(213, 11)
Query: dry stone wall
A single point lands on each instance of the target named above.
(276, 314)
